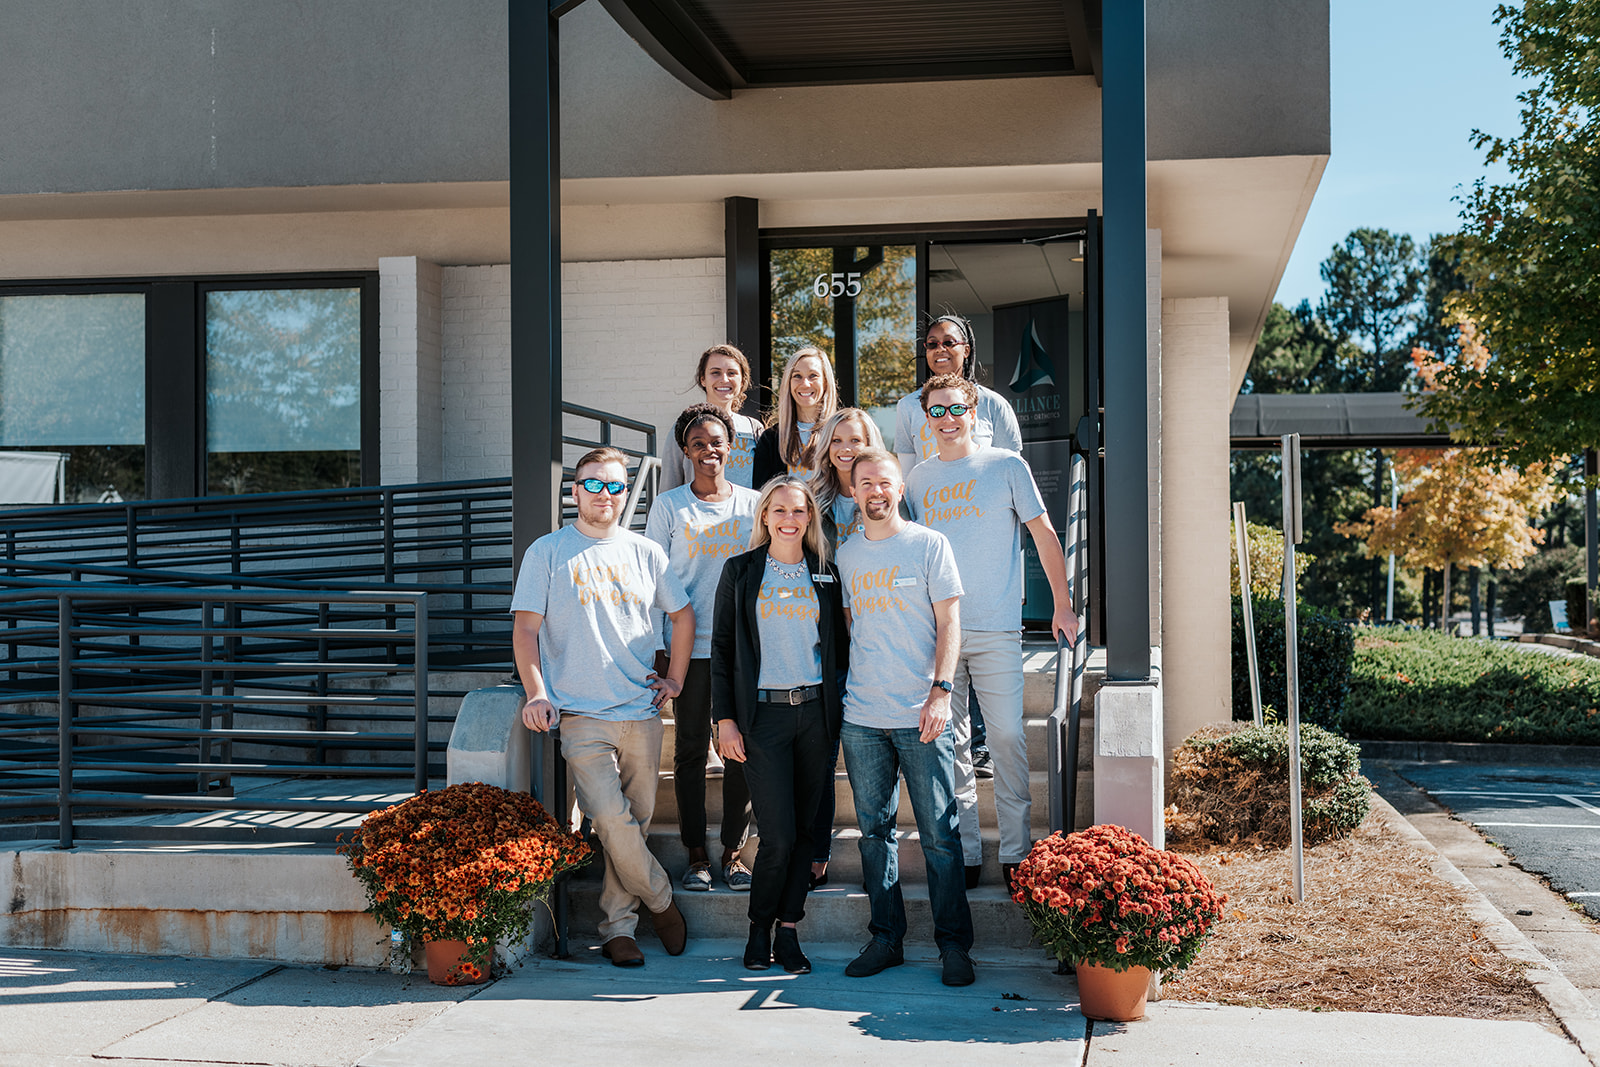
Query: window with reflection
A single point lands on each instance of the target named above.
(72, 397)
(282, 389)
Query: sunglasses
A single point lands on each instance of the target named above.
(594, 485)
(934, 346)
(936, 411)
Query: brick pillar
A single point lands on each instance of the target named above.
(410, 383)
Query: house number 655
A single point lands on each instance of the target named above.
(837, 284)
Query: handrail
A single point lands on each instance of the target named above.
(1064, 724)
(177, 722)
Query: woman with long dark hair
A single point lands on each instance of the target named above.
(778, 648)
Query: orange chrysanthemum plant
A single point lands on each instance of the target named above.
(1105, 895)
(464, 863)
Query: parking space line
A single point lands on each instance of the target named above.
(1584, 804)
(1544, 825)
(1508, 793)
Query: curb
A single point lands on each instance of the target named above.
(1481, 752)
(1570, 1007)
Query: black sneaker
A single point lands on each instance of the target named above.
(974, 875)
(957, 967)
(982, 764)
(875, 957)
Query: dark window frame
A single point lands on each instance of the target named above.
(174, 367)
(920, 234)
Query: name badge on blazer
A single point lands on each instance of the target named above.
(826, 579)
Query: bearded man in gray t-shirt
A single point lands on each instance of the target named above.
(585, 643)
(981, 499)
(902, 597)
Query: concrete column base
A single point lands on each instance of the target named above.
(1128, 760)
(489, 744)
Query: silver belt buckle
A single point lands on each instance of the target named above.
(794, 697)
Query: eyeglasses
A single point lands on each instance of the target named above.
(936, 411)
(934, 346)
(594, 485)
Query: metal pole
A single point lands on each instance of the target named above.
(1291, 537)
(1127, 344)
(1241, 543)
(1591, 533)
(420, 686)
(535, 149)
(1394, 505)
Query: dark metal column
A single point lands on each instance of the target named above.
(1122, 122)
(742, 247)
(535, 141)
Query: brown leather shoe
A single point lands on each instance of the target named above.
(623, 952)
(671, 929)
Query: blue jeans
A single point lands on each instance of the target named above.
(875, 759)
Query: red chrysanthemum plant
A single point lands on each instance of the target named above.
(464, 863)
(1105, 895)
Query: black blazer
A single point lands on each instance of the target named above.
(766, 464)
(736, 645)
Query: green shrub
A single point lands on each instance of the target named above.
(1231, 784)
(1526, 593)
(1421, 685)
(1325, 649)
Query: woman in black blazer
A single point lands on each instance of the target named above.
(778, 648)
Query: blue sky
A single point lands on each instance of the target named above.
(1411, 79)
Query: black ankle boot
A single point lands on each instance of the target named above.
(758, 950)
(786, 950)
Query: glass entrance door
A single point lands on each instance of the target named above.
(856, 302)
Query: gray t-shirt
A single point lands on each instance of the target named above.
(846, 520)
(892, 586)
(913, 437)
(698, 536)
(804, 430)
(787, 624)
(598, 642)
(676, 469)
(980, 504)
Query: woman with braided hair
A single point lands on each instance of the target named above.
(699, 526)
(947, 346)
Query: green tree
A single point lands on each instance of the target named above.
(1441, 281)
(1296, 352)
(1374, 279)
(1530, 251)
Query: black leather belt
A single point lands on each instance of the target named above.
(789, 696)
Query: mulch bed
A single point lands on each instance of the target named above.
(1377, 931)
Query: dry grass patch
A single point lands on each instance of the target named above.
(1378, 931)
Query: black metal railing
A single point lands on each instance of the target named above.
(1063, 726)
(158, 699)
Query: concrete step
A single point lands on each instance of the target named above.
(844, 800)
(834, 914)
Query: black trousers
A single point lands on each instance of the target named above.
(690, 739)
(787, 769)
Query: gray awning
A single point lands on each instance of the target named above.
(1331, 420)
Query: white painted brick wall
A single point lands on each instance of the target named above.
(632, 331)
(1196, 637)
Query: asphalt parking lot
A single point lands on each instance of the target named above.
(1546, 818)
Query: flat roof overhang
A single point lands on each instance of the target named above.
(1332, 420)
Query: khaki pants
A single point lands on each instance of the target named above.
(614, 768)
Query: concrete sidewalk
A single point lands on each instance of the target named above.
(76, 1010)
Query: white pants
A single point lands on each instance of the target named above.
(991, 666)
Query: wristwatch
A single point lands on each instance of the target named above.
(948, 687)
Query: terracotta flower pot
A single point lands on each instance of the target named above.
(1114, 996)
(457, 963)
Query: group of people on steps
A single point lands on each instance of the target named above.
(799, 591)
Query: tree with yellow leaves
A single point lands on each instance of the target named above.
(1456, 509)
